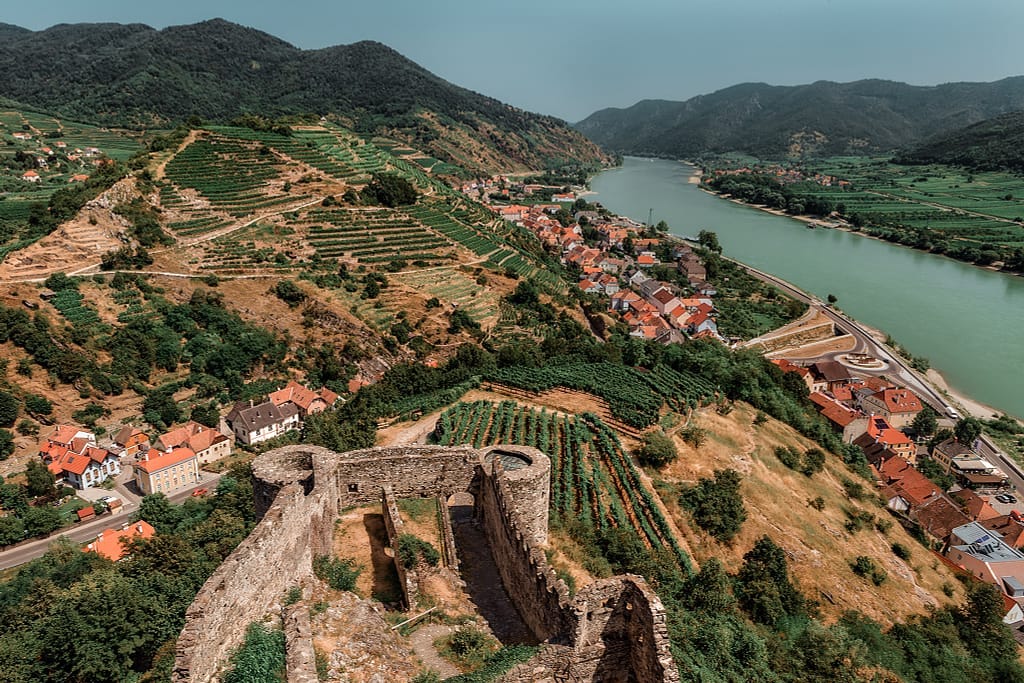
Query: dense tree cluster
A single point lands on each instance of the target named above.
(77, 616)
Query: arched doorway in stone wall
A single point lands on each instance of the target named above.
(461, 507)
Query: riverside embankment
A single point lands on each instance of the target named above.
(960, 317)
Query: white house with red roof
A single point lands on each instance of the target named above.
(72, 456)
(31, 176)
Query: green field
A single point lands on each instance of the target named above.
(983, 207)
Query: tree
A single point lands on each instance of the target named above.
(289, 292)
(832, 299)
(8, 409)
(40, 480)
(967, 430)
(41, 521)
(390, 189)
(716, 504)
(925, 423)
(160, 512)
(6, 444)
(763, 587)
(710, 589)
(709, 240)
(12, 530)
(658, 449)
(38, 405)
(206, 414)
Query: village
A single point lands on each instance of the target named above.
(970, 521)
(110, 475)
(613, 257)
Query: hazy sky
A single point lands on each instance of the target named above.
(571, 57)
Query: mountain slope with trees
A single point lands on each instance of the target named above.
(995, 144)
(132, 74)
(819, 118)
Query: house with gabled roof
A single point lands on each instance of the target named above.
(207, 443)
(254, 423)
(803, 373)
(898, 406)
(83, 470)
(131, 441)
(113, 543)
(307, 401)
(880, 432)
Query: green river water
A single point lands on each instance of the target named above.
(967, 321)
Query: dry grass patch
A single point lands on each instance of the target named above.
(817, 543)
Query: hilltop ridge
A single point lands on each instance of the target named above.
(821, 118)
(133, 74)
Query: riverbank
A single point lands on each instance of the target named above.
(838, 224)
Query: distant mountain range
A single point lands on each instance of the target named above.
(991, 145)
(132, 74)
(822, 118)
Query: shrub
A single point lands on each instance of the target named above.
(901, 551)
(37, 405)
(865, 567)
(412, 549)
(853, 489)
(261, 659)
(658, 449)
(789, 457)
(694, 435)
(340, 574)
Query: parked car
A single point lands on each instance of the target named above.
(199, 492)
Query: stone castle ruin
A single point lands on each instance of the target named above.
(612, 630)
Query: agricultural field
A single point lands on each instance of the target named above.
(635, 397)
(984, 207)
(58, 152)
(593, 478)
(229, 177)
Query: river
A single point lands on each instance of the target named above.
(967, 321)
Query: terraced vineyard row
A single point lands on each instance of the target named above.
(635, 397)
(593, 479)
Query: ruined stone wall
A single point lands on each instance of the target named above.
(798, 337)
(412, 471)
(274, 557)
(299, 492)
(394, 526)
(621, 628)
(541, 597)
(449, 553)
(300, 661)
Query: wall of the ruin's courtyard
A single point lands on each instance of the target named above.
(299, 492)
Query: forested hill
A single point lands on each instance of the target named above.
(133, 74)
(820, 118)
(992, 145)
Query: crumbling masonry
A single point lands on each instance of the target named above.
(613, 630)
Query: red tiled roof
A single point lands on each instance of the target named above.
(977, 507)
(299, 395)
(884, 433)
(157, 461)
(899, 400)
(110, 543)
(913, 487)
(786, 366)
